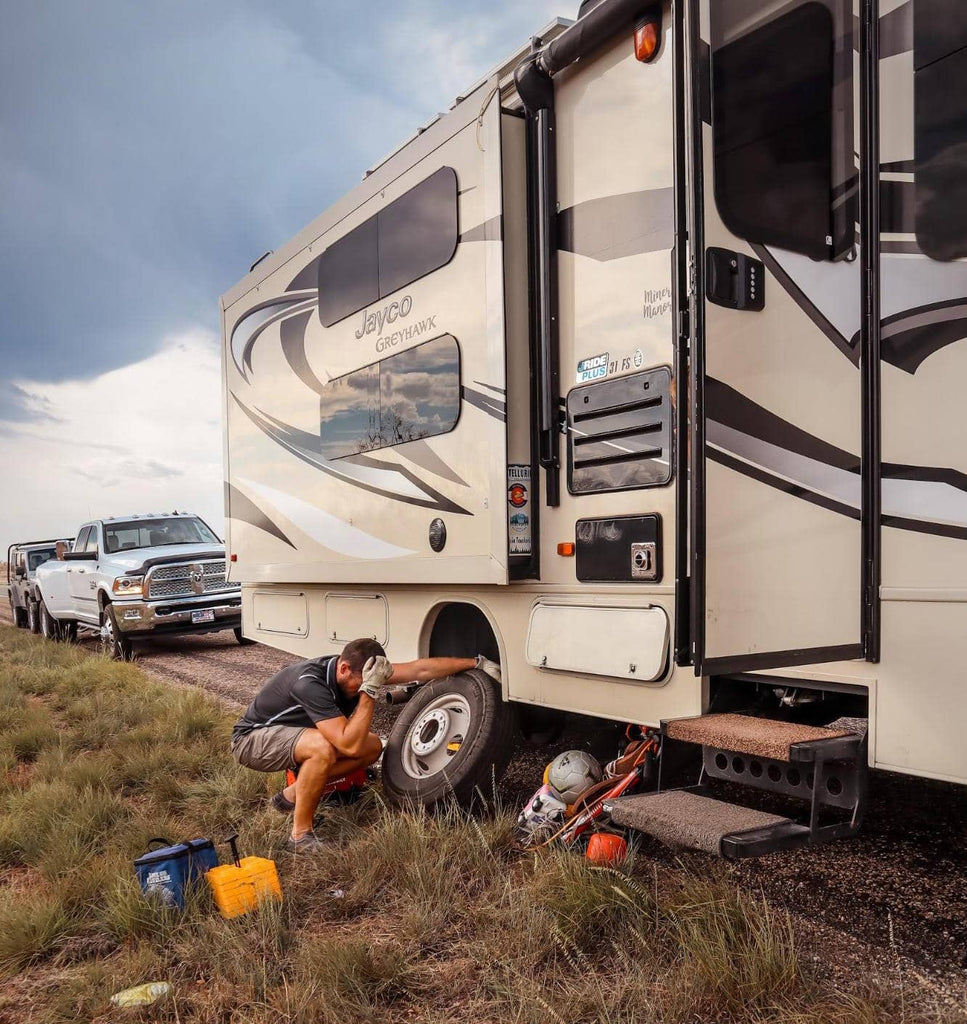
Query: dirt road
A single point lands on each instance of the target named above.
(897, 894)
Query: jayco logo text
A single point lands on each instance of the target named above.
(375, 322)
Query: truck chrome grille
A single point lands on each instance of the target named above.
(188, 579)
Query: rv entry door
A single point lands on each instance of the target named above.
(775, 388)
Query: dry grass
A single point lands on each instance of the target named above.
(440, 917)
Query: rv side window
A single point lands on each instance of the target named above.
(408, 239)
(773, 128)
(940, 71)
(406, 397)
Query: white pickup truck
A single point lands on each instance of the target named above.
(137, 577)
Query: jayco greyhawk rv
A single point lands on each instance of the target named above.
(640, 369)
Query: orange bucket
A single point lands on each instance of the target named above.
(605, 848)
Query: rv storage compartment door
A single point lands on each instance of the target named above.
(777, 542)
(366, 383)
(622, 643)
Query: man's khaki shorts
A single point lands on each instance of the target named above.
(271, 749)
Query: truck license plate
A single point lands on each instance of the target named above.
(203, 615)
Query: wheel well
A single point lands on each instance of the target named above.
(462, 631)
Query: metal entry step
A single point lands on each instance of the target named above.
(758, 737)
(681, 817)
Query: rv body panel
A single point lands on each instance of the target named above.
(779, 540)
(578, 686)
(410, 389)
(616, 234)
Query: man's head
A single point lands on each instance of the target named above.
(349, 667)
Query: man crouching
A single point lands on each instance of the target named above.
(316, 715)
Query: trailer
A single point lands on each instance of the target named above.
(640, 371)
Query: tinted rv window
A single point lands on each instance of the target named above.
(349, 274)
(408, 239)
(940, 67)
(406, 397)
(772, 125)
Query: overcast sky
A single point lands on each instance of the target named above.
(149, 153)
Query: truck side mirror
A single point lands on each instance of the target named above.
(19, 572)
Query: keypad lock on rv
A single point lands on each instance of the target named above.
(735, 281)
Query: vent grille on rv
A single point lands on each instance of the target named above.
(619, 433)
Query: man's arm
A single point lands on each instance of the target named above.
(424, 670)
(348, 735)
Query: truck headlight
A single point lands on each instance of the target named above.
(128, 586)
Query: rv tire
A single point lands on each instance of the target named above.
(19, 615)
(33, 616)
(466, 711)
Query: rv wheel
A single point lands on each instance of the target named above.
(451, 741)
(33, 616)
(19, 615)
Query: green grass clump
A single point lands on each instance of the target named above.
(31, 928)
(428, 918)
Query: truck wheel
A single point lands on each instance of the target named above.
(452, 740)
(33, 616)
(19, 615)
(241, 638)
(49, 627)
(113, 642)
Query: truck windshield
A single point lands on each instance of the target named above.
(156, 533)
(38, 557)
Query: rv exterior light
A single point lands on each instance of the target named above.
(647, 33)
(438, 534)
(566, 548)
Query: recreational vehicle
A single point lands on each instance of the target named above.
(642, 370)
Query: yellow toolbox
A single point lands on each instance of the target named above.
(242, 886)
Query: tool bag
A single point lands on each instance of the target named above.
(170, 871)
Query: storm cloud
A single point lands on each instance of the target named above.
(150, 152)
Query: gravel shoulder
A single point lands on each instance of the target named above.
(892, 903)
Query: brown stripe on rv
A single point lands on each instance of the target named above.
(241, 507)
(849, 348)
(293, 335)
(613, 227)
(729, 407)
(490, 231)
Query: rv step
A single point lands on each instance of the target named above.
(761, 737)
(680, 817)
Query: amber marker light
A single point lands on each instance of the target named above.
(566, 548)
(234, 557)
(647, 32)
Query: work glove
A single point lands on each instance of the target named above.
(376, 672)
(490, 667)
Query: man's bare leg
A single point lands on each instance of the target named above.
(318, 763)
